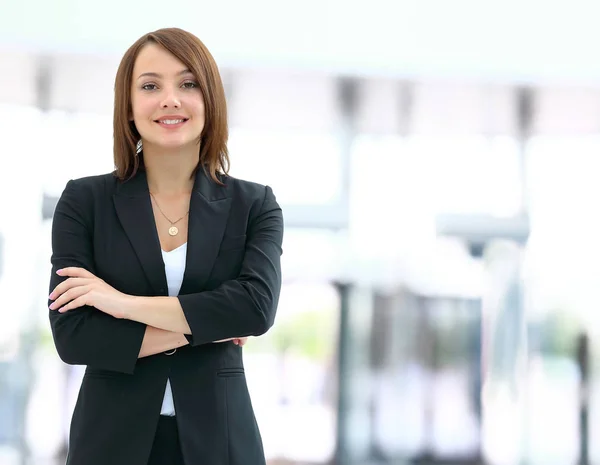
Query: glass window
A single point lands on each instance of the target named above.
(303, 168)
(563, 272)
(471, 174)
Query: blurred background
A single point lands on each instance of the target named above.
(437, 166)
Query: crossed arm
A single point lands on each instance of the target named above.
(94, 324)
(166, 325)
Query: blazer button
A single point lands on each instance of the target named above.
(170, 353)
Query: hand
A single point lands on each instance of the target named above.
(238, 341)
(84, 288)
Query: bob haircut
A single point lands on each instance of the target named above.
(127, 149)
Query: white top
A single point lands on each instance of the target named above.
(174, 268)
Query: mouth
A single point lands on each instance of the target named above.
(171, 122)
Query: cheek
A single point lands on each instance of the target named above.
(197, 103)
(200, 110)
(141, 108)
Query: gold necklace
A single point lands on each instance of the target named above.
(173, 230)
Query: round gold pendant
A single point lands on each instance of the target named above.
(173, 231)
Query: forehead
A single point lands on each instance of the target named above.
(153, 58)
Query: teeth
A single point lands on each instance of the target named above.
(171, 121)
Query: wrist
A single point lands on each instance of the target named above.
(130, 306)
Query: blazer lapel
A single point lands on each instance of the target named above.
(132, 203)
(209, 211)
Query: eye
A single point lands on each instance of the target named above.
(190, 85)
(149, 86)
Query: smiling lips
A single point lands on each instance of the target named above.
(171, 122)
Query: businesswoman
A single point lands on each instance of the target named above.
(161, 269)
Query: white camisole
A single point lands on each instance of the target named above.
(174, 268)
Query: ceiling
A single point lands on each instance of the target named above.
(506, 40)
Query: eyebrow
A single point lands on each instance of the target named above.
(158, 76)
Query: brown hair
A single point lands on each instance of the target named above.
(214, 156)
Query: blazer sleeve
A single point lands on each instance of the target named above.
(86, 336)
(244, 306)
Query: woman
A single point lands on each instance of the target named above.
(158, 266)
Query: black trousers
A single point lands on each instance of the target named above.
(166, 449)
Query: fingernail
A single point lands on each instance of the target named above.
(58, 271)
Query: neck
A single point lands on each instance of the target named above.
(170, 172)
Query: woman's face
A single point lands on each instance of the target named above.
(167, 105)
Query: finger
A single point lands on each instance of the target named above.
(79, 302)
(68, 296)
(66, 285)
(243, 341)
(75, 272)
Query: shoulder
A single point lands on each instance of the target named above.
(247, 191)
(255, 199)
(94, 183)
(81, 194)
(87, 189)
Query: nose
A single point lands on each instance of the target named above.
(170, 100)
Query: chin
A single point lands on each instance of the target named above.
(171, 143)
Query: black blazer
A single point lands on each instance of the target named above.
(230, 289)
